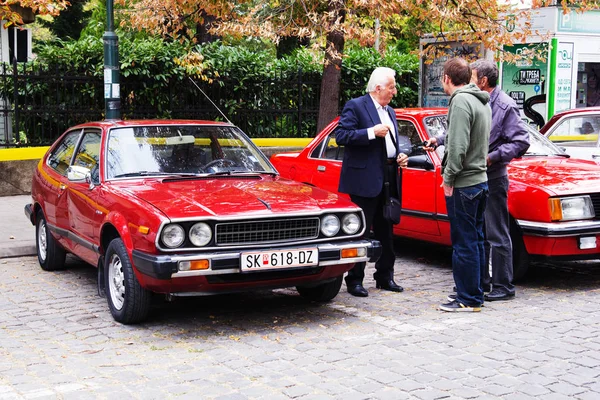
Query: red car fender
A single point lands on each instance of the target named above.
(120, 223)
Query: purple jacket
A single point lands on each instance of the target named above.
(509, 137)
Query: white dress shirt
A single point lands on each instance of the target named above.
(384, 117)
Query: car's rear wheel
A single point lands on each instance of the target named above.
(520, 254)
(129, 303)
(323, 292)
(51, 255)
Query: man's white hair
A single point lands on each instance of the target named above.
(379, 76)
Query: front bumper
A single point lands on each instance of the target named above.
(228, 262)
(559, 229)
(561, 241)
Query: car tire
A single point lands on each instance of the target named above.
(51, 255)
(519, 252)
(128, 301)
(323, 292)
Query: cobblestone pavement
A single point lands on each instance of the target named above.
(58, 340)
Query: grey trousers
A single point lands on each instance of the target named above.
(498, 245)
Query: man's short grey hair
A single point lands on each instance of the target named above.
(488, 69)
(379, 76)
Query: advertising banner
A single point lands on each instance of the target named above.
(432, 91)
(525, 79)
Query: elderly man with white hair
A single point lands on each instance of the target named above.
(369, 133)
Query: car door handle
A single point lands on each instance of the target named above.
(595, 155)
(321, 168)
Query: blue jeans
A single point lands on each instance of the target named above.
(465, 208)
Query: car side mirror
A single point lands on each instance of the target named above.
(79, 174)
(421, 162)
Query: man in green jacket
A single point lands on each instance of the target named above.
(465, 181)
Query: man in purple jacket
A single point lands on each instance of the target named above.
(508, 139)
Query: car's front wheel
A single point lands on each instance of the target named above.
(51, 255)
(323, 292)
(129, 302)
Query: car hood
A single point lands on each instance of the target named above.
(557, 175)
(230, 197)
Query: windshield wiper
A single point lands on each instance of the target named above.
(154, 173)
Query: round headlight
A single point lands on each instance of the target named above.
(173, 235)
(200, 234)
(330, 225)
(350, 224)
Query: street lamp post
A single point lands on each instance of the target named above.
(112, 96)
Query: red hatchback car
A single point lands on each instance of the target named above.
(554, 201)
(187, 208)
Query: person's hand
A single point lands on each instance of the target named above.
(488, 161)
(430, 145)
(448, 190)
(381, 130)
(402, 160)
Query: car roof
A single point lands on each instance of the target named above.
(577, 111)
(421, 111)
(118, 123)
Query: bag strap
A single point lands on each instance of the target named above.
(386, 185)
(393, 140)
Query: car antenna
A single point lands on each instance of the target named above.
(205, 95)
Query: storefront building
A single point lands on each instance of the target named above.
(566, 76)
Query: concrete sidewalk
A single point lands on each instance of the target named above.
(17, 234)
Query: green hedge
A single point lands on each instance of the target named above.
(266, 96)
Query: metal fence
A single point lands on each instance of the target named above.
(38, 103)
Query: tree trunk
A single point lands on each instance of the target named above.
(203, 34)
(332, 68)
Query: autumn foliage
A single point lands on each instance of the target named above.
(11, 10)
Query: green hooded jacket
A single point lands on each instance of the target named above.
(467, 137)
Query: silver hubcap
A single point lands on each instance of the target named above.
(42, 243)
(116, 282)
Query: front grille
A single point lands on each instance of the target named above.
(268, 231)
(596, 202)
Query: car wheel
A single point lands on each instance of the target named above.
(129, 303)
(520, 254)
(51, 255)
(323, 292)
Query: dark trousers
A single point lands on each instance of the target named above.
(466, 208)
(497, 240)
(382, 231)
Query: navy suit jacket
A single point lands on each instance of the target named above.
(363, 165)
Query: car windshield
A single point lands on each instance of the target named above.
(182, 150)
(538, 144)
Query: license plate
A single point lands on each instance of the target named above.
(262, 260)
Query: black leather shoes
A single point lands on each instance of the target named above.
(497, 295)
(389, 285)
(358, 291)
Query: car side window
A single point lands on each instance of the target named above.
(410, 136)
(61, 156)
(88, 153)
(576, 130)
(331, 150)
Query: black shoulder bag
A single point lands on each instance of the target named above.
(393, 206)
